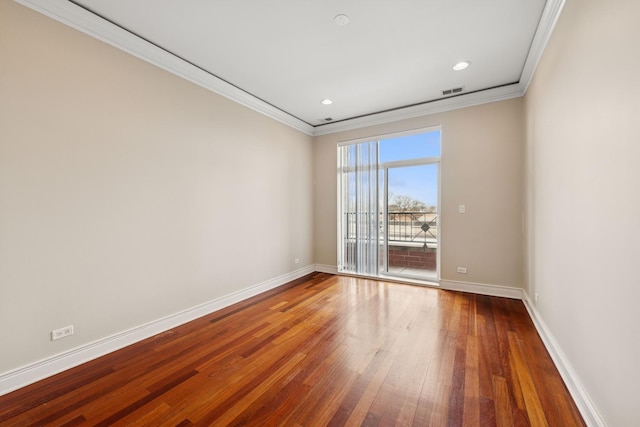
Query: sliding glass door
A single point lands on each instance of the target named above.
(388, 206)
(411, 222)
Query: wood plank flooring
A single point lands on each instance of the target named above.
(324, 350)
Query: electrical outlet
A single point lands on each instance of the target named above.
(462, 270)
(297, 261)
(56, 334)
(536, 297)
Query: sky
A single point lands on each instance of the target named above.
(419, 182)
(410, 147)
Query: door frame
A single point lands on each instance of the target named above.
(384, 167)
(411, 162)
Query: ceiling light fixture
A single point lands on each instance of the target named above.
(461, 65)
(341, 20)
(327, 101)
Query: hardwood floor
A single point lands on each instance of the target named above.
(325, 350)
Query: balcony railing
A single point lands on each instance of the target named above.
(406, 227)
(419, 227)
(411, 237)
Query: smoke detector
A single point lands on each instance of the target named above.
(341, 20)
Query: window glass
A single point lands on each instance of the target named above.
(410, 147)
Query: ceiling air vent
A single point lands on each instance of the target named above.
(453, 91)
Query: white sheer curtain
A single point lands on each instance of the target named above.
(359, 208)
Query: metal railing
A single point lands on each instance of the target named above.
(413, 227)
(404, 229)
(418, 227)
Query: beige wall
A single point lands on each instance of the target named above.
(583, 198)
(121, 187)
(482, 168)
(128, 194)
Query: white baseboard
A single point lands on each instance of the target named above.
(324, 268)
(31, 373)
(584, 403)
(37, 371)
(482, 289)
(451, 285)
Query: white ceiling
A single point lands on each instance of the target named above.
(283, 57)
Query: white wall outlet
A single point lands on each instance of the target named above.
(297, 260)
(462, 209)
(536, 297)
(56, 334)
(462, 270)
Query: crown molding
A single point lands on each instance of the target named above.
(548, 20)
(438, 106)
(83, 20)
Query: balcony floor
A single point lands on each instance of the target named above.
(419, 273)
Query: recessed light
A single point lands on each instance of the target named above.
(461, 65)
(341, 20)
(327, 101)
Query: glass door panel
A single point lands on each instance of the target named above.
(411, 221)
